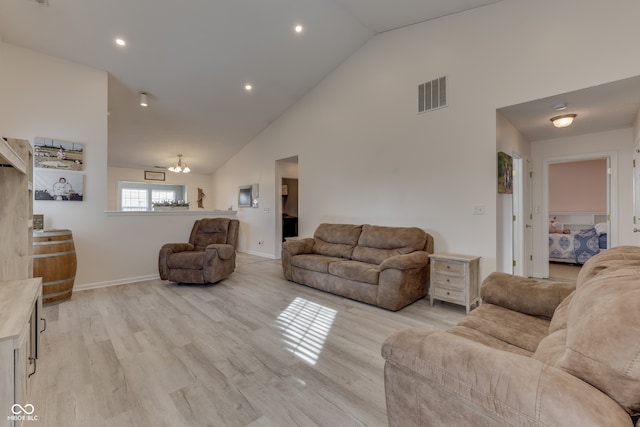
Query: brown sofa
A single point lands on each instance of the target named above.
(209, 257)
(533, 354)
(383, 266)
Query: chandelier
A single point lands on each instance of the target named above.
(179, 166)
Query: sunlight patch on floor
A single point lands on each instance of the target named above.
(305, 326)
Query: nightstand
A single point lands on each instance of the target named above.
(454, 278)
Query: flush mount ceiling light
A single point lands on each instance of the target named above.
(143, 99)
(121, 42)
(563, 120)
(179, 166)
(298, 28)
(248, 87)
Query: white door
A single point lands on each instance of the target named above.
(528, 219)
(522, 217)
(636, 194)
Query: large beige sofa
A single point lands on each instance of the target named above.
(533, 354)
(384, 266)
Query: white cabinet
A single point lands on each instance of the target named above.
(454, 278)
(20, 326)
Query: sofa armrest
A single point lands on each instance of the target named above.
(219, 262)
(291, 248)
(436, 378)
(417, 259)
(297, 247)
(529, 296)
(221, 250)
(403, 280)
(166, 250)
(177, 247)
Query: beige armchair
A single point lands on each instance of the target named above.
(209, 257)
(535, 353)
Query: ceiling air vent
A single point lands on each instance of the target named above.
(432, 95)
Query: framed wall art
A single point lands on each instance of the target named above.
(505, 173)
(58, 185)
(154, 176)
(55, 154)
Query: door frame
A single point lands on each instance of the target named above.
(612, 198)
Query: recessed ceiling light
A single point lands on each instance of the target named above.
(120, 42)
(298, 28)
(248, 87)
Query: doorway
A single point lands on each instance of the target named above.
(577, 196)
(287, 195)
(289, 208)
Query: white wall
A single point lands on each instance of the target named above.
(49, 97)
(617, 142)
(365, 156)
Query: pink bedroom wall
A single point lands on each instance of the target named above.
(578, 186)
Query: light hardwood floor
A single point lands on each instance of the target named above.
(561, 271)
(252, 350)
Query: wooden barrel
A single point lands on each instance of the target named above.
(54, 259)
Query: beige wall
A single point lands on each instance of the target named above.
(578, 186)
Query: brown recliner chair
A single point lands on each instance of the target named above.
(209, 257)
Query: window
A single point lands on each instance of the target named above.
(162, 196)
(140, 196)
(133, 199)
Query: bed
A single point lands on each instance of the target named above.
(581, 243)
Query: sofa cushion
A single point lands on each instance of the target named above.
(552, 347)
(356, 270)
(559, 319)
(603, 332)
(614, 258)
(314, 262)
(378, 243)
(336, 240)
(524, 295)
(512, 327)
(209, 230)
(486, 339)
(189, 260)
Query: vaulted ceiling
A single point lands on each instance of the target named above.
(194, 58)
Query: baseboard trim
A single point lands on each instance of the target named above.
(97, 285)
(270, 256)
(117, 282)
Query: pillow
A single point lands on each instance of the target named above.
(603, 335)
(601, 228)
(552, 226)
